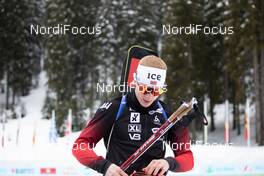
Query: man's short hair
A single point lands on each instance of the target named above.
(153, 61)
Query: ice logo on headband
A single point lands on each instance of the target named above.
(150, 76)
(154, 77)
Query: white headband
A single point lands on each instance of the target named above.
(150, 76)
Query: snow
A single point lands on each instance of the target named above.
(219, 4)
(214, 158)
(32, 121)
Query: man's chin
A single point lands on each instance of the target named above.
(145, 104)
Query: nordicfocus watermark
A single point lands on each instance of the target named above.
(174, 146)
(62, 29)
(109, 88)
(187, 145)
(83, 146)
(194, 29)
(123, 88)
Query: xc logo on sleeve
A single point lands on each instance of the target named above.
(105, 105)
(134, 117)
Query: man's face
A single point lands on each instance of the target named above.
(145, 99)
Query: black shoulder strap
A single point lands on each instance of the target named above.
(163, 111)
(121, 107)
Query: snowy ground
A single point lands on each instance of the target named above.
(43, 157)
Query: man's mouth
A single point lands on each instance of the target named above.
(146, 101)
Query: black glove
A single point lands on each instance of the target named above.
(187, 119)
(194, 113)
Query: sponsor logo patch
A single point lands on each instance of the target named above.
(159, 110)
(157, 120)
(135, 117)
(135, 136)
(134, 128)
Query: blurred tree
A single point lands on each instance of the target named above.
(211, 63)
(237, 54)
(257, 13)
(71, 64)
(195, 61)
(21, 51)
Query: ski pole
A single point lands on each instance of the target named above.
(174, 118)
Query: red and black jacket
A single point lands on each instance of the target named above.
(134, 126)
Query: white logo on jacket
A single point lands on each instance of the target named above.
(135, 136)
(106, 105)
(154, 130)
(159, 110)
(130, 109)
(135, 117)
(157, 120)
(134, 128)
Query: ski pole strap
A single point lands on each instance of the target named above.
(163, 111)
(121, 107)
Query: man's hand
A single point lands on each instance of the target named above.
(114, 170)
(157, 167)
(187, 119)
